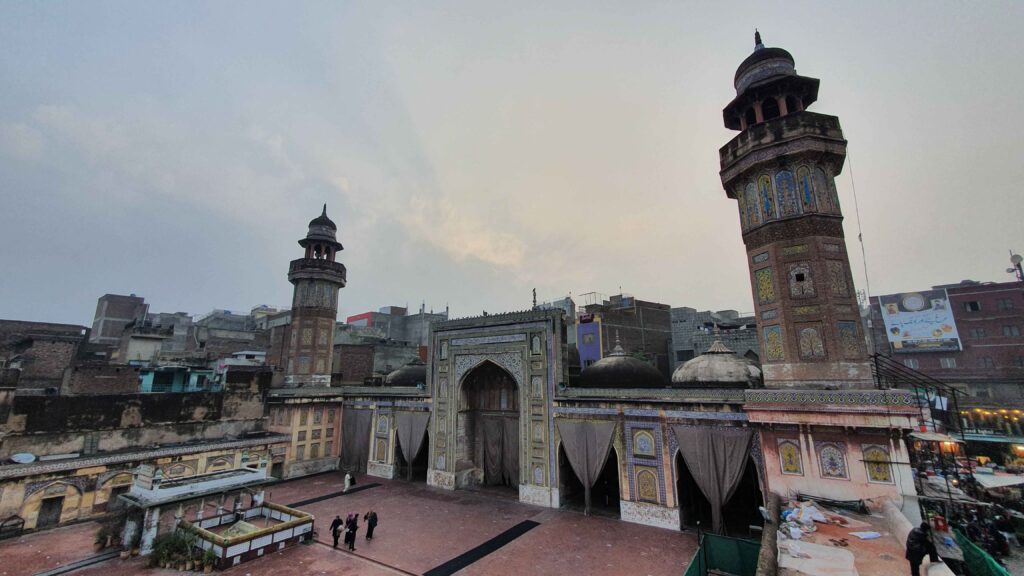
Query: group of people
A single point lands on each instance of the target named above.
(350, 526)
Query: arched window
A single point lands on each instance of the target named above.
(770, 108)
(750, 116)
(805, 190)
(785, 187)
(753, 208)
(822, 190)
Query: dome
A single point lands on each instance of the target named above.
(719, 367)
(322, 230)
(412, 374)
(617, 370)
(323, 221)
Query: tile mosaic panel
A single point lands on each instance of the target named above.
(765, 286)
(773, 344)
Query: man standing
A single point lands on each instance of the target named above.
(352, 527)
(919, 545)
(371, 523)
(348, 482)
(336, 529)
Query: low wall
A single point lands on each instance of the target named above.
(295, 526)
(900, 527)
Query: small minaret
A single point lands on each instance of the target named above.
(780, 169)
(317, 278)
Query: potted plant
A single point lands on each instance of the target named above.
(188, 539)
(209, 560)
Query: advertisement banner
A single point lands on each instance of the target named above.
(919, 321)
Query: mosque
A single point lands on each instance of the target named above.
(499, 403)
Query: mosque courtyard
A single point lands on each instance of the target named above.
(422, 530)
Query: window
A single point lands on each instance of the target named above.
(977, 332)
(318, 415)
(330, 416)
(303, 416)
(1011, 331)
(302, 436)
(972, 306)
(329, 448)
(947, 362)
(330, 433)
(912, 363)
(985, 363)
(300, 453)
(1004, 304)
(316, 434)
(314, 450)
(588, 338)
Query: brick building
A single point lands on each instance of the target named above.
(642, 328)
(35, 355)
(989, 321)
(693, 333)
(113, 313)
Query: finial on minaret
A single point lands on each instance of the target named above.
(324, 213)
(757, 40)
(618, 350)
(535, 298)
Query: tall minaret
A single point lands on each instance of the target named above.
(317, 278)
(781, 169)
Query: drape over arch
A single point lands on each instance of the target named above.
(501, 449)
(716, 457)
(355, 438)
(411, 427)
(587, 445)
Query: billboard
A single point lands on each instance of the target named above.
(919, 321)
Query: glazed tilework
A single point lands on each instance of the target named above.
(832, 460)
(765, 286)
(846, 397)
(634, 460)
(773, 344)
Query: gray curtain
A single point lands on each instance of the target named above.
(411, 428)
(355, 438)
(586, 445)
(493, 449)
(716, 457)
(510, 452)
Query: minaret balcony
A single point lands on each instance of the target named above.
(317, 269)
(819, 132)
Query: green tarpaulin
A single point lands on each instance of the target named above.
(730, 555)
(978, 561)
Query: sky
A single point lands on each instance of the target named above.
(473, 151)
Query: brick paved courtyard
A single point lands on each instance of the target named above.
(420, 529)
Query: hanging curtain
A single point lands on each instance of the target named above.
(510, 451)
(355, 438)
(493, 449)
(411, 427)
(716, 457)
(586, 445)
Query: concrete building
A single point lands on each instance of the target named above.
(693, 332)
(113, 313)
(396, 324)
(980, 352)
(642, 328)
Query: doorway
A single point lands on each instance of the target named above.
(489, 425)
(605, 494)
(416, 471)
(693, 506)
(49, 512)
(741, 511)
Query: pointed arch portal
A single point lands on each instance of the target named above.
(489, 424)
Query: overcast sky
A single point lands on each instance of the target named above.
(472, 151)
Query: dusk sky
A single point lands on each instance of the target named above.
(472, 151)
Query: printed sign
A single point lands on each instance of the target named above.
(919, 321)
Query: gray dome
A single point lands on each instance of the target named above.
(719, 367)
(617, 370)
(412, 374)
(323, 230)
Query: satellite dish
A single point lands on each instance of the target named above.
(23, 458)
(1016, 259)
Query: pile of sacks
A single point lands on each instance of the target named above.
(798, 518)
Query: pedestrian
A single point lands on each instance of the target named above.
(371, 522)
(348, 482)
(336, 529)
(348, 533)
(353, 527)
(919, 545)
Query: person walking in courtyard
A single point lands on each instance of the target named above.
(336, 529)
(919, 545)
(352, 528)
(348, 482)
(371, 522)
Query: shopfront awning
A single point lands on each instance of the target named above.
(989, 481)
(934, 437)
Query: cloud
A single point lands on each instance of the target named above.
(21, 141)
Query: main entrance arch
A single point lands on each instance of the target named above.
(488, 426)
